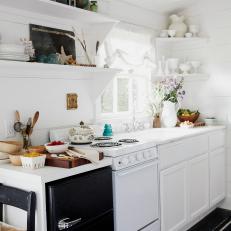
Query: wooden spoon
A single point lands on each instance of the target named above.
(35, 119)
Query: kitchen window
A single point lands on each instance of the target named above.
(129, 48)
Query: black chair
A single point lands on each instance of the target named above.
(20, 199)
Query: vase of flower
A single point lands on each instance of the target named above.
(169, 114)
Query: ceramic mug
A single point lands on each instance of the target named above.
(172, 33)
(188, 35)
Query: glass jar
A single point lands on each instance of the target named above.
(94, 6)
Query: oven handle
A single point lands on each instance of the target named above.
(67, 223)
(137, 168)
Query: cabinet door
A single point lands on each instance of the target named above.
(173, 193)
(217, 176)
(198, 186)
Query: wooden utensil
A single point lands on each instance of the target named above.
(35, 119)
(18, 126)
(28, 126)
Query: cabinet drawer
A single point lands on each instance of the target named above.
(177, 152)
(217, 140)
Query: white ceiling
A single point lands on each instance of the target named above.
(163, 6)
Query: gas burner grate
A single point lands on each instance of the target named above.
(130, 141)
(103, 138)
(106, 144)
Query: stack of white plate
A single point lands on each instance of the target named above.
(13, 52)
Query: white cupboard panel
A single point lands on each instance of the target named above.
(217, 176)
(198, 186)
(217, 140)
(173, 190)
(186, 149)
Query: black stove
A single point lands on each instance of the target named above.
(128, 141)
(106, 144)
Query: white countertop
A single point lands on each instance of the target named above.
(48, 174)
(148, 138)
(161, 136)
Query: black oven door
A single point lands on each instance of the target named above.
(81, 203)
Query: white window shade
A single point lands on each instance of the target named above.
(131, 49)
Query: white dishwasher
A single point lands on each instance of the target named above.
(135, 191)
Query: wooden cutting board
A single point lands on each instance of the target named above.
(68, 163)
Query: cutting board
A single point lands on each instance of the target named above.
(64, 163)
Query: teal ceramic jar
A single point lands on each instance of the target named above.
(107, 130)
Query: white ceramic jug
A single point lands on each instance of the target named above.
(169, 115)
(177, 24)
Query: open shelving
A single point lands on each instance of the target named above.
(27, 70)
(183, 39)
(55, 9)
(191, 77)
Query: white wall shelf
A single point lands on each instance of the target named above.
(55, 9)
(98, 78)
(174, 40)
(191, 77)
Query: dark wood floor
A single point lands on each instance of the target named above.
(218, 220)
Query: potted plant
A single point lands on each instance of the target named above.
(174, 92)
(165, 96)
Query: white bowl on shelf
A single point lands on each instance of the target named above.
(56, 149)
(210, 121)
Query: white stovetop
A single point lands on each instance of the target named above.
(147, 138)
(150, 138)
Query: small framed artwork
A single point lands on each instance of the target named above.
(72, 101)
(52, 45)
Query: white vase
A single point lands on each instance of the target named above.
(177, 24)
(168, 116)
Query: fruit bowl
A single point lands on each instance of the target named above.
(56, 147)
(187, 115)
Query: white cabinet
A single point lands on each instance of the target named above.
(173, 190)
(198, 186)
(217, 176)
(192, 179)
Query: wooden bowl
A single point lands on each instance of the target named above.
(191, 118)
(10, 146)
(38, 149)
(15, 159)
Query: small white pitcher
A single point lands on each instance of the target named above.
(169, 114)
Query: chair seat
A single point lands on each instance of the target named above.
(6, 227)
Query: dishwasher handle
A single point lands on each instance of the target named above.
(67, 223)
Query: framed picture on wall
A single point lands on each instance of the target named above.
(52, 45)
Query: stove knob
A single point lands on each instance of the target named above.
(139, 156)
(125, 161)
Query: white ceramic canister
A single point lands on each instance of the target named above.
(177, 24)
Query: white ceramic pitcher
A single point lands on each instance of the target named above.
(177, 24)
(169, 114)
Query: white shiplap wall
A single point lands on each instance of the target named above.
(212, 97)
(46, 95)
